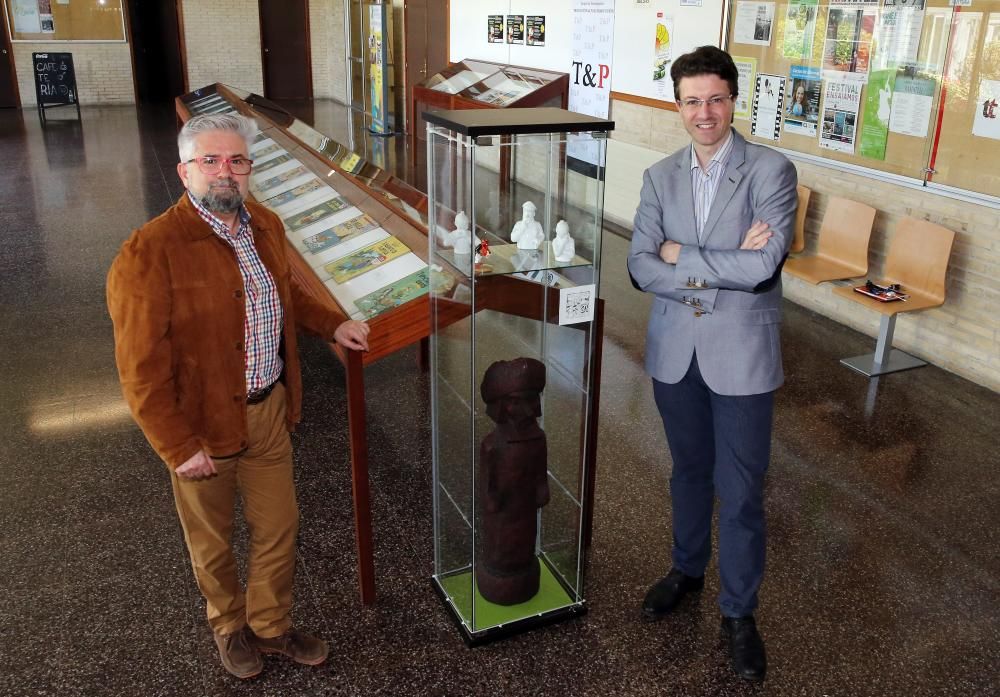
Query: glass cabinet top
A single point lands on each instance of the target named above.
(490, 83)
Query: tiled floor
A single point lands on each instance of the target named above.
(883, 574)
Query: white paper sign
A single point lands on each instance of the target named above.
(576, 304)
(987, 120)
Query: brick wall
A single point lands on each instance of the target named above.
(962, 336)
(329, 65)
(222, 38)
(103, 71)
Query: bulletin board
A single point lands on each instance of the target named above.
(65, 20)
(954, 55)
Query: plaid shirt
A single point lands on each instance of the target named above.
(706, 184)
(263, 319)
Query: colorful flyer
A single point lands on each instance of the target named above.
(848, 46)
(365, 259)
(800, 28)
(315, 213)
(273, 162)
(747, 68)
(338, 233)
(841, 100)
(395, 294)
(875, 115)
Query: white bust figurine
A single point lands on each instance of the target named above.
(563, 245)
(461, 237)
(527, 232)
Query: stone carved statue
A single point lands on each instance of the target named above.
(563, 246)
(513, 482)
(527, 231)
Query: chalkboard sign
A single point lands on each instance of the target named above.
(55, 81)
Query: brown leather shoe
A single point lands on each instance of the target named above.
(301, 648)
(239, 655)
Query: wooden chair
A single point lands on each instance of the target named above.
(843, 244)
(799, 241)
(917, 261)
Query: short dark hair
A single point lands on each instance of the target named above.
(705, 60)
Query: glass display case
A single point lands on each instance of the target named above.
(515, 360)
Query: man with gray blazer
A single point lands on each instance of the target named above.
(713, 226)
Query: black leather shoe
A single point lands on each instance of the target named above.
(666, 594)
(746, 648)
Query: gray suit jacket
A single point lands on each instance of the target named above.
(719, 302)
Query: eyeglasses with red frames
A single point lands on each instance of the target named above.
(209, 164)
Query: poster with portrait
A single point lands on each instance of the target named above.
(802, 111)
(494, 29)
(536, 30)
(515, 29)
(841, 101)
(754, 23)
(768, 100)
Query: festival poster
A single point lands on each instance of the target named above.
(800, 30)
(912, 101)
(802, 112)
(395, 294)
(754, 22)
(536, 30)
(515, 29)
(986, 123)
(898, 37)
(365, 259)
(747, 68)
(768, 99)
(316, 213)
(875, 115)
(494, 29)
(841, 100)
(848, 46)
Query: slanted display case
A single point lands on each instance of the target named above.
(515, 360)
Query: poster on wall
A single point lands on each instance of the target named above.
(802, 112)
(912, 101)
(536, 30)
(494, 29)
(848, 46)
(590, 74)
(515, 29)
(662, 35)
(800, 29)
(754, 22)
(875, 116)
(747, 69)
(26, 17)
(768, 99)
(987, 120)
(841, 99)
(899, 28)
(376, 58)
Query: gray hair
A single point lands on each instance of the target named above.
(196, 125)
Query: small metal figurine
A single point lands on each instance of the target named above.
(513, 482)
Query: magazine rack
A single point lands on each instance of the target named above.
(358, 244)
(515, 361)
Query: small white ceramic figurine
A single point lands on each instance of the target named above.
(461, 237)
(527, 232)
(563, 246)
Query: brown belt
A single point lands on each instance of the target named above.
(260, 395)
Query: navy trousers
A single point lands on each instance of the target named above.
(720, 446)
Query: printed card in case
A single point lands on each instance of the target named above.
(315, 213)
(395, 294)
(339, 233)
(365, 259)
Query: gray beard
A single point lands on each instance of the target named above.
(224, 201)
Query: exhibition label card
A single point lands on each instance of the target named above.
(395, 294)
(576, 304)
(315, 213)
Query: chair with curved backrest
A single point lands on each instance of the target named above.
(917, 261)
(799, 241)
(842, 250)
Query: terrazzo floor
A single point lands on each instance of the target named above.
(883, 574)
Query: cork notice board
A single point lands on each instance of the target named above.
(65, 20)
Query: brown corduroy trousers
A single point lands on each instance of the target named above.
(262, 475)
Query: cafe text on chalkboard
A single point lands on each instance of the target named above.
(55, 82)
